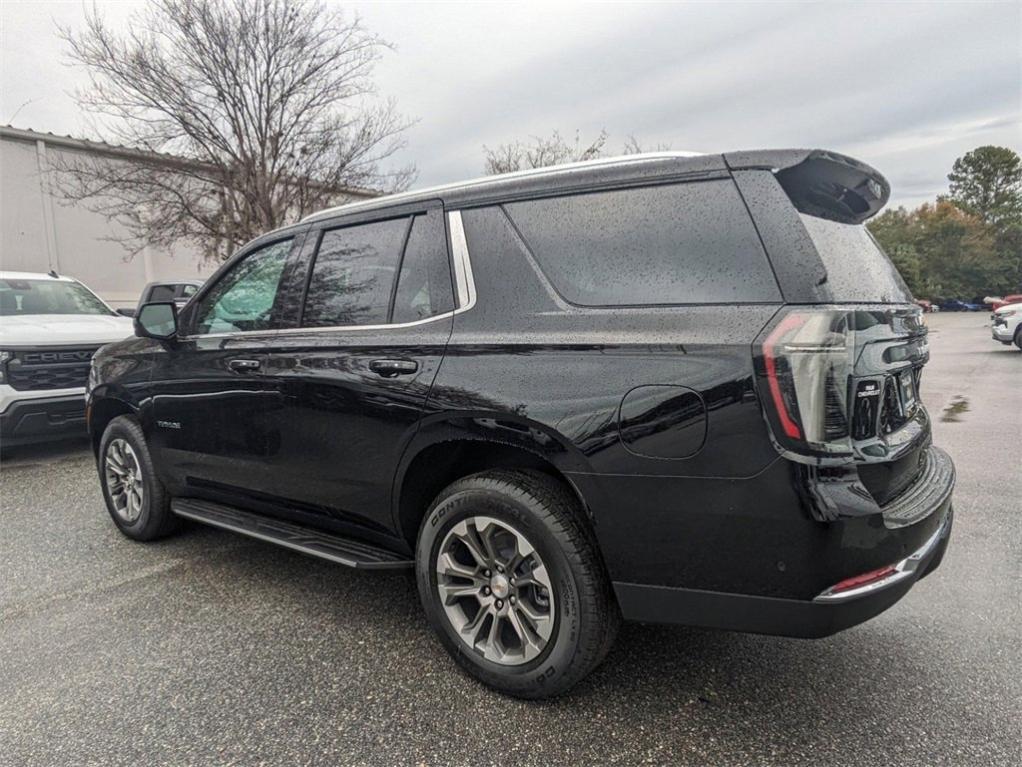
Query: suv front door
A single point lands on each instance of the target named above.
(216, 415)
(377, 315)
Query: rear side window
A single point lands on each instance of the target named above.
(353, 274)
(424, 287)
(689, 243)
(161, 293)
(858, 270)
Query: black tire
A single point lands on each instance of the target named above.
(549, 516)
(155, 519)
(1018, 336)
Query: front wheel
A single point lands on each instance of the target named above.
(135, 497)
(511, 580)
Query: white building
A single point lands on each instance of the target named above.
(40, 232)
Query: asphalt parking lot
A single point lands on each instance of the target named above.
(209, 648)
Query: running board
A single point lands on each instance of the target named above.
(343, 551)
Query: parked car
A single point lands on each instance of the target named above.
(925, 305)
(957, 305)
(522, 388)
(177, 291)
(1007, 324)
(50, 326)
(1014, 298)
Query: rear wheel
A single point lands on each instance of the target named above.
(511, 580)
(136, 499)
(1018, 336)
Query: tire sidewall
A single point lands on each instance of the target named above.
(557, 657)
(119, 429)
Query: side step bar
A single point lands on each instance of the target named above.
(343, 551)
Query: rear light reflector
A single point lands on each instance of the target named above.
(862, 580)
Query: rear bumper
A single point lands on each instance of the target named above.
(42, 418)
(815, 618)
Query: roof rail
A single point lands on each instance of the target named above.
(550, 170)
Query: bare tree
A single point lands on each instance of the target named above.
(540, 152)
(260, 112)
(633, 146)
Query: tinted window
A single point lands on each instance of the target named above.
(161, 293)
(857, 268)
(424, 287)
(353, 274)
(188, 291)
(679, 244)
(243, 298)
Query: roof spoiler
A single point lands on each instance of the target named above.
(820, 183)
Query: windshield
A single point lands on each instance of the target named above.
(25, 297)
(857, 269)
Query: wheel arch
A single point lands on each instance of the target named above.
(445, 451)
(101, 411)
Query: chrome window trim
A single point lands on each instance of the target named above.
(465, 296)
(463, 279)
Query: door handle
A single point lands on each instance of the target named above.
(243, 366)
(392, 368)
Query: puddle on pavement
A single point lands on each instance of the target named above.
(954, 409)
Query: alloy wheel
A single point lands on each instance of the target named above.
(495, 590)
(124, 480)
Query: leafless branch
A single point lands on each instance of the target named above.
(249, 115)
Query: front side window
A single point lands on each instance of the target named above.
(243, 298)
(353, 274)
(690, 243)
(29, 297)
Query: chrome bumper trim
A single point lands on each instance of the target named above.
(902, 570)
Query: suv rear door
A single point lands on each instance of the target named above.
(376, 318)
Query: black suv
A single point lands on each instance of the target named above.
(669, 388)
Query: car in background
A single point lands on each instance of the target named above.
(50, 326)
(1007, 324)
(925, 305)
(177, 292)
(1014, 298)
(957, 305)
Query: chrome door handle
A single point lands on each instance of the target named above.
(243, 366)
(392, 368)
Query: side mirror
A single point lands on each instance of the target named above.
(157, 320)
(126, 312)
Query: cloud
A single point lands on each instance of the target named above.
(905, 86)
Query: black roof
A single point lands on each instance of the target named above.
(629, 169)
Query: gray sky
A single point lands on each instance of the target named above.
(906, 86)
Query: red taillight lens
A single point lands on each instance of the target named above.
(773, 363)
(805, 361)
(861, 580)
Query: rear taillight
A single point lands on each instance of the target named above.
(804, 363)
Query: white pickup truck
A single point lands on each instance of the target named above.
(50, 326)
(1007, 325)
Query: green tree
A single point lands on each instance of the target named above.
(893, 230)
(987, 182)
(956, 250)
